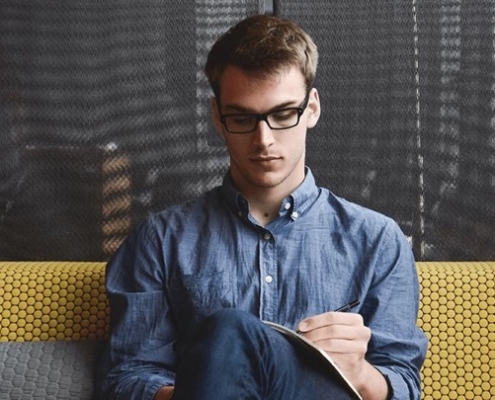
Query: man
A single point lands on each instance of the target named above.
(191, 285)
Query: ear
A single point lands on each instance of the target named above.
(314, 109)
(216, 116)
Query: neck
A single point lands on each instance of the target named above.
(265, 192)
(265, 202)
(264, 209)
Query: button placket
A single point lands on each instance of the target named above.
(268, 262)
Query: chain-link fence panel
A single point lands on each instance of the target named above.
(103, 118)
(407, 125)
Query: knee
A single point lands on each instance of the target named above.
(226, 331)
(229, 321)
(229, 330)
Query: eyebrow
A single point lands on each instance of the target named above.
(246, 110)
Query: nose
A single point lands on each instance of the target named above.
(263, 135)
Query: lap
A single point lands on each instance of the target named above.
(232, 354)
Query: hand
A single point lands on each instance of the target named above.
(165, 393)
(345, 338)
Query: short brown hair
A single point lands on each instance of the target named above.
(262, 45)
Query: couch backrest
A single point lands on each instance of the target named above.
(52, 305)
(53, 301)
(457, 312)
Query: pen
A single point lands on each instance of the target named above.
(344, 308)
(348, 306)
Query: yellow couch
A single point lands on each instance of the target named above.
(58, 303)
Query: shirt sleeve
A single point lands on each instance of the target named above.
(397, 347)
(139, 357)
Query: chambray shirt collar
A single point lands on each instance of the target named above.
(293, 206)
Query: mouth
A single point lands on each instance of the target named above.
(266, 163)
(264, 159)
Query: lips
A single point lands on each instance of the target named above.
(265, 159)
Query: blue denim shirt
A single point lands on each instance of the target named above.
(320, 253)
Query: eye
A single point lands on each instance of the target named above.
(284, 115)
(241, 119)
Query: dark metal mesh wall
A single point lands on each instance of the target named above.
(408, 94)
(104, 117)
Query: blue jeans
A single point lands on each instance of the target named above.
(233, 355)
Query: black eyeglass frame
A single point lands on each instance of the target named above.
(264, 117)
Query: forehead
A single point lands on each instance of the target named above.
(255, 91)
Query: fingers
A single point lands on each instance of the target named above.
(337, 332)
(339, 339)
(329, 319)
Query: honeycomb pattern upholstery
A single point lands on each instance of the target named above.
(48, 370)
(53, 301)
(51, 305)
(457, 312)
(45, 309)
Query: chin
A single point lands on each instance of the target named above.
(268, 180)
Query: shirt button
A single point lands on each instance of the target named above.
(268, 279)
(287, 205)
(267, 236)
(295, 215)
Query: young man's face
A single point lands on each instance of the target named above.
(265, 158)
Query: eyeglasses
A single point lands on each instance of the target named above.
(284, 118)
